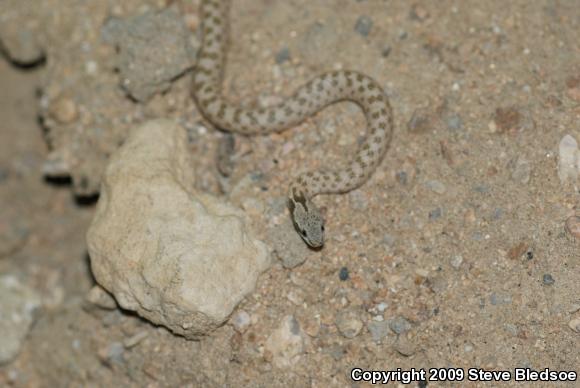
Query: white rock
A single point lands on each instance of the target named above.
(568, 162)
(286, 343)
(17, 306)
(178, 258)
(241, 320)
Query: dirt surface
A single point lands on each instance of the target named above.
(454, 254)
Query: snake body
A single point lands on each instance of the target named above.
(310, 98)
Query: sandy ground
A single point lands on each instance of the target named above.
(453, 255)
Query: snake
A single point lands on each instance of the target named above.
(321, 91)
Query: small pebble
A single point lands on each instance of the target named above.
(517, 251)
(497, 300)
(573, 226)
(283, 55)
(399, 325)
(482, 189)
(288, 246)
(386, 51)
(241, 321)
(574, 307)
(507, 119)
(548, 279)
(454, 123)
(568, 159)
(311, 326)
(63, 110)
(574, 324)
(348, 323)
(101, 298)
(435, 213)
(343, 274)
(436, 186)
(363, 26)
(112, 354)
(135, 339)
(378, 330)
(404, 347)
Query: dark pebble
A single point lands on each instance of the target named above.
(499, 299)
(386, 51)
(363, 26)
(435, 214)
(530, 255)
(400, 325)
(483, 189)
(283, 56)
(548, 279)
(422, 384)
(507, 119)
(343, 274)
(454, 123)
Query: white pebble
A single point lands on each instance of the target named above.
(91, 67)
(241, 321)
(381, 307)
(568, 161)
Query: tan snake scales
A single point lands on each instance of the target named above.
(321, 91)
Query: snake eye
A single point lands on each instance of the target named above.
(303, 233)
(322, 228)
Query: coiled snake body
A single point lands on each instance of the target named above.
(321, 91)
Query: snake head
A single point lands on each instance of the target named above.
(307, 220)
